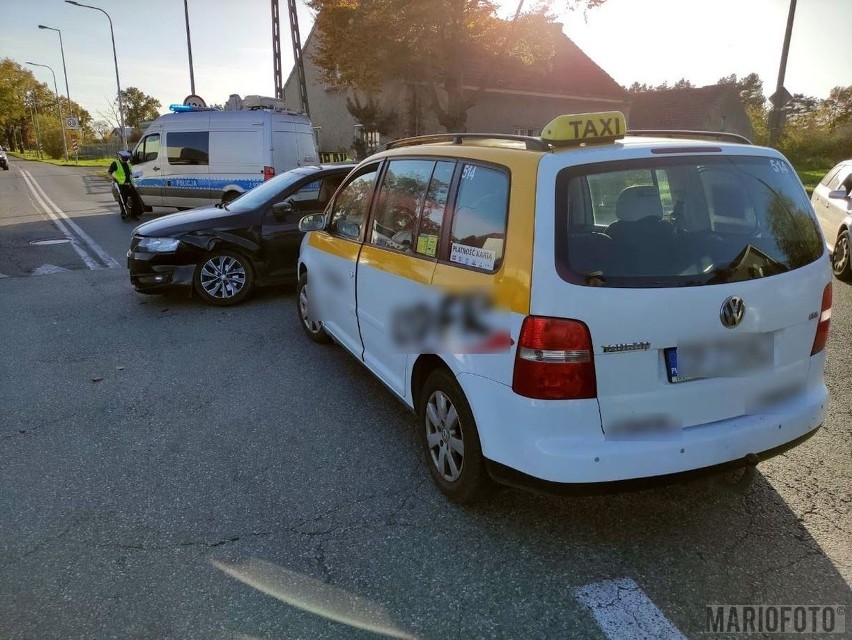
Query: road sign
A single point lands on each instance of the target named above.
(74, 144)
(194, 101)
(785, 97)
(72, 123)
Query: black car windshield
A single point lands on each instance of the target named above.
(266, 191)
(687, 221)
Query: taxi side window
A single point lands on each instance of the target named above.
(478, 231)
(401, 198)
(352, 204)
(432, 218)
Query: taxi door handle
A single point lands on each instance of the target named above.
(351, 274)
(155, 168)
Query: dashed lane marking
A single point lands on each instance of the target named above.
(622, 610)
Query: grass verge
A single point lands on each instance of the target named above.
(31, 155)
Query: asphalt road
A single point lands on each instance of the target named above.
(153, 448)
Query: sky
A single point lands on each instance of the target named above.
(649, 41)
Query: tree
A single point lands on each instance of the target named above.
(138, 107)
(102, 130)
(750, 88)
(836, 110)
(364, 45)
(801, 111)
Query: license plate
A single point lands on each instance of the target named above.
(720, 358)
(671, 366)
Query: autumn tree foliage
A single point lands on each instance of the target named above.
(364, 44)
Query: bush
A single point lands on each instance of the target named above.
(815, 148)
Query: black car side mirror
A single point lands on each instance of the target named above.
(281, 209)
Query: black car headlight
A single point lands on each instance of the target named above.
(158, 245)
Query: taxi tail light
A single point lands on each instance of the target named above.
(268, 172)
(821, 336)
(554, 360)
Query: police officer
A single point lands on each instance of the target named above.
(120, 172)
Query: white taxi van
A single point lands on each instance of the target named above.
(658, 303)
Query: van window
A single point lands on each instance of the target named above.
(188, 147)
(725, 219)
(479, 221)
(148, 149)
(353, 203)
(401, 198)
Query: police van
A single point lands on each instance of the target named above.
(592, 309)
(199, 156)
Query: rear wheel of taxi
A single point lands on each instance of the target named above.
(224, 278)
(450, 440)
(841, 263)
(312, 328)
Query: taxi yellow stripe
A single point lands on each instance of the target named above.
(400, 264)
(322, 241)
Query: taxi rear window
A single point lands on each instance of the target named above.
(666, 222)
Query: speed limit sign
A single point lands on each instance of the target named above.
(72, 123)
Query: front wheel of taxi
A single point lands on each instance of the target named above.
(451, 441)
(312, 328)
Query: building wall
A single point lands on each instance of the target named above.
(504, 113)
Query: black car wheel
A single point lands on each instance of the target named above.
(224, 278)
(450, 440)
(841, 263)
(312, 328)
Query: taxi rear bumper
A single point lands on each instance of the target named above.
(554, 443)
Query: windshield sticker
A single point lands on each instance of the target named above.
(427, 244)
(473, 256)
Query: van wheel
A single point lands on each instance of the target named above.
(224, 278)
(228, 196)
(312, 328)
(450, 440)
(840, 260)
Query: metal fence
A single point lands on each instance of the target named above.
(95, 151)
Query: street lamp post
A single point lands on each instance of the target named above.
(65, 73)
(58, 104)
(115, 59)
(34, 114)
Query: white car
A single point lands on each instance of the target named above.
(832, 201)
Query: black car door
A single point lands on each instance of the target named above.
(280, 226)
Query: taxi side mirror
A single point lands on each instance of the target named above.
(313, 222)
(837, 194)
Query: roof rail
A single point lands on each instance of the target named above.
(719, 136)
(531, 143)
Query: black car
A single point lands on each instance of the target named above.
(224, 251)
(4, 162)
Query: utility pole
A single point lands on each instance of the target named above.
(58, 105)
(65, 72)
(776, 117)
(36, 128)
(297, 55)
(189, 48)
(276, 50)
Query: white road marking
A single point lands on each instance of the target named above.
(3, 275)
(107, 259)
(622, 610)
(88, 260)
(47, 269)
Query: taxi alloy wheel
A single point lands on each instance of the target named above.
(312, 328)
(450, 440)
(840, 259)
(224, 278)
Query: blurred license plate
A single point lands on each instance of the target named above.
(720, 358)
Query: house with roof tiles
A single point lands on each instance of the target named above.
(513, 99)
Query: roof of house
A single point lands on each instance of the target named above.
(570, 72)
(685, 108)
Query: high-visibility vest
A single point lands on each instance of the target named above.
(121, 173)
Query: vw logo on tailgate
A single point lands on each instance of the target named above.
(732, 311)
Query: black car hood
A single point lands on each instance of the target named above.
(194, 220)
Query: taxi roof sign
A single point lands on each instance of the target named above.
(580, 128)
